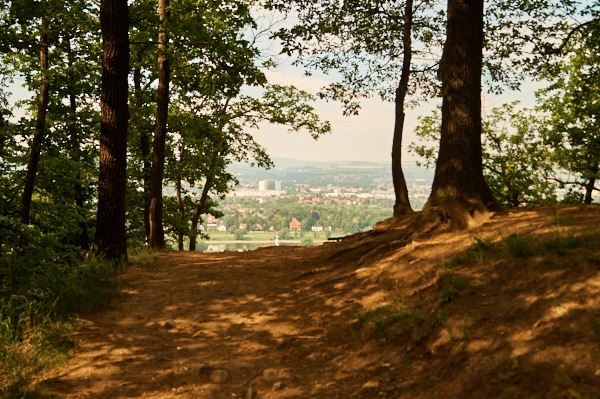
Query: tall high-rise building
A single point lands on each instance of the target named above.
(279, 185)
(263, 185)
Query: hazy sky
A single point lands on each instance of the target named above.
(366, 137)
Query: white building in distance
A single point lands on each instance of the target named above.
(263, 185)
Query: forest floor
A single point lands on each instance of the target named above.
(509, 309)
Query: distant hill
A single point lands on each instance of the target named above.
(297, 170)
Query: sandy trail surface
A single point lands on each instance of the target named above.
(281, 322)
(211, 325)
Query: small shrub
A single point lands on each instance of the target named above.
(480, 249)
(440, 317)
(390, 322)
(146, 258)
(451, 286)
(452, 263)
(201, 246)
(518, 246)
(307, 241)
(562, 245)
(240, 235)
(38, 296)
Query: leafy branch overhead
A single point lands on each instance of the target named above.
(361, 44)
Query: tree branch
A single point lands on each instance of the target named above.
(571, 33)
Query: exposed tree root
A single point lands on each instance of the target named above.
(363, 246)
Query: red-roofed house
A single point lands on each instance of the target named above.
(295, 224)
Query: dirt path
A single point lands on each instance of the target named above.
(280, 322)
(217, 325)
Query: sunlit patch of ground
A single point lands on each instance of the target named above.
(506, 310)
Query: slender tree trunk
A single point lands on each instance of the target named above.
(144, 146)
(402, 205)
(589, 188)
(156, 239)
(110, 242)
(209, 182)
(2, 151)
(202, 203)
(77, 188)
(459, 192)
(75, 147)
(181, 210)
(40, 126)
(180, 206)
(2, 136)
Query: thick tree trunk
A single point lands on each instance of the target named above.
(144, 146)
(202, 203)
(110, 242)
(589, 187)
(40, 126)
(156, 238)
(459, 191)
(402, 205)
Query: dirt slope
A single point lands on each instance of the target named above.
(452, 315)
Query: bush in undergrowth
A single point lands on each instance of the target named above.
(307, 241)
(43, 284)
(451, 286)
(518, 246)
(392, 323)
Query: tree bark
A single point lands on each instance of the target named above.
(110, 242)
(156, 239)
(589, 187)
(40, 126)
(402, 205)
(460, 193)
